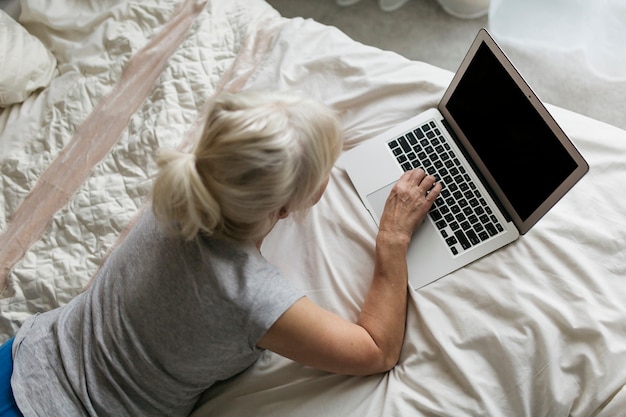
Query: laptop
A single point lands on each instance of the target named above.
(501, 158)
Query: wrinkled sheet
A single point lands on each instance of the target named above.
(537, 328)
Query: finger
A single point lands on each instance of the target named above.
(433, 193)
(427, 183)
(413, 177)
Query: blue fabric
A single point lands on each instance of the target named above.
(8, 408)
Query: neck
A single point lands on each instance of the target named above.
(259, 241)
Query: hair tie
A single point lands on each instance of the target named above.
(189, 159)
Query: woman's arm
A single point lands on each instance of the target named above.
(313, 336)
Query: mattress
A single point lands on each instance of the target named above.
(537, 328)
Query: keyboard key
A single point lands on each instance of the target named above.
(462, 239)
(403, 143)
(491, 229)
(471, 235)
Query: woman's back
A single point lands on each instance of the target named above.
(164, 319)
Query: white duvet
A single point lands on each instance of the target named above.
(535, 329)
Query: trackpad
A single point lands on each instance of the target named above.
(377, 201)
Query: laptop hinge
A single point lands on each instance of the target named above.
(504, 212)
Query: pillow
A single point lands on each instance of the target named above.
(25, 63)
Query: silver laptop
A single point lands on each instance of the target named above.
(501, 158)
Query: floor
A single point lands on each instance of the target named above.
(12, 7)
(422, 30)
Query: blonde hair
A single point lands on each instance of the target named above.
(259, 152)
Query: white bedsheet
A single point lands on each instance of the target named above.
(535, 329)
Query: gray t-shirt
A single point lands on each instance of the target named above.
(162, 322)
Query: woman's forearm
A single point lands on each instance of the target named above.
(384, 312)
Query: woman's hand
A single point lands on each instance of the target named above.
(407, 205)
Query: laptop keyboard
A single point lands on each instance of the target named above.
(460, 213)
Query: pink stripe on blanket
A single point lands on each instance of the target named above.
(93, 140)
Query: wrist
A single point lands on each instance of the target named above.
(391, 240)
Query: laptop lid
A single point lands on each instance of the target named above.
(524, 157)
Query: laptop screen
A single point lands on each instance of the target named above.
(506, 132)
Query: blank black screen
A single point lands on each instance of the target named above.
(516, 145)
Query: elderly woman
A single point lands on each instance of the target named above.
(188, 299)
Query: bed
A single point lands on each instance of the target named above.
(537, 328)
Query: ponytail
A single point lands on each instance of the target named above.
(180, 198)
